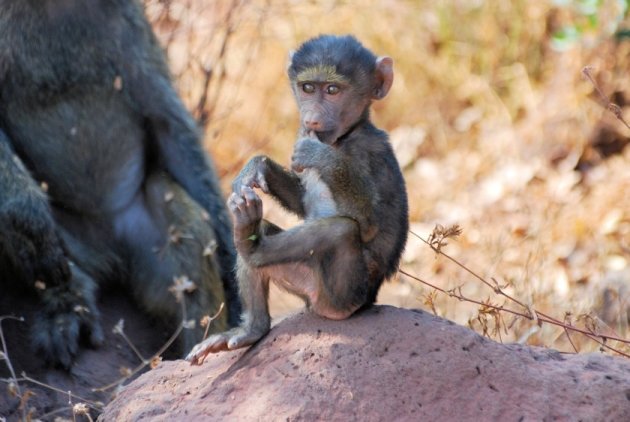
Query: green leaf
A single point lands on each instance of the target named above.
(565, 38)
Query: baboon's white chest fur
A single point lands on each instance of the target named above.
(318, 200)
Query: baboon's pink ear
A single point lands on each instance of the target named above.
(384, 75)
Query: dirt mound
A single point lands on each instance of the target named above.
(382, 364)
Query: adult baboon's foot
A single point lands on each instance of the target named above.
(69, 311)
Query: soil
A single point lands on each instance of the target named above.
(93, 368)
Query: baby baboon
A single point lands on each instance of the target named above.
(344, 182)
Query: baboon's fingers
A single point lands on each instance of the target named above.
(65, 315)
(56, 337)
(253, 204)
(262, 183)
(212, 344)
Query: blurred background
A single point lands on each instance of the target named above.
(492, 120)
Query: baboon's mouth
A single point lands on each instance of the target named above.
(326, 136)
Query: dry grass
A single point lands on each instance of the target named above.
(496, 129)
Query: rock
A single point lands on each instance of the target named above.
(384, 363)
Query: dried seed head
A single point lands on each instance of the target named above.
(119, 328)
(80, 409)
(205, 321)
(12, 388)
(210, 248)
(155, 361)
(181, 285)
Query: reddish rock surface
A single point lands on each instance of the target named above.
(382, 364)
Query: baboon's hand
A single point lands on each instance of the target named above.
(252, 176)
(307, 154)
(246, 213)
(68, 311)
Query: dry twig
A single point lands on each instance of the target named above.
(606, 103)
(436, 241)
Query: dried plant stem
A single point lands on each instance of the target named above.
(132, 346)
(608, 105)
(566, 331)
(93, 404)
(47, 416)
(159, 353)
(142, 365)
(528, 313)
(212, 318)
(5, 351)
(206, 109)
(461, 297)
(4, 347)
(145, 362)
(541, 317)
(494, 287)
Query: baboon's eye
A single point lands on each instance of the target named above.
(308, 88)
(332, 89)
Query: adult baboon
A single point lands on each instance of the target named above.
(88, 113)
